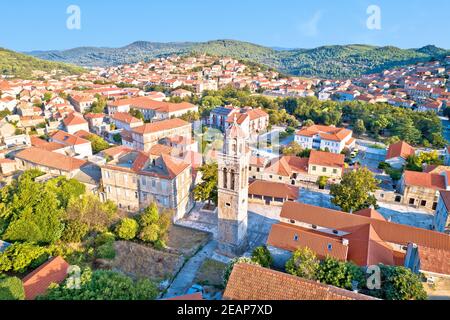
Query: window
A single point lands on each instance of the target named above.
(335, 231)
(435, 205)
(280, 178)
(153, 183)
(292, 221)
(330, 247)
(412, 201)
(423, 203)
(324, 169)
(228, 204)
(334, 171)
(296, 237)
(314, 168)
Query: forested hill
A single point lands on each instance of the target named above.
(26, 67)
(325, 62)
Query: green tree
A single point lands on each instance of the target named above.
(20, 256)
(303, 263)
(99, 105)
(399, 283)
(103, 285)
(207, 189)
(137, 114)
(98, 143)
(322, 182)
(11, 288)
(150, 233)
(359, 127)
(31, 210)
(127, 229)
(355, 192)
(262, 256)
(339, 273)
(149, 216)
(90, 211)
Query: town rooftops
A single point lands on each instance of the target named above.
(50, 159)
(37, 282)
(150, 104)
(325, 132)
(161, 126)
(273, 189)
(400, 149)
(250, 282)
(425, 180)
(326, 159)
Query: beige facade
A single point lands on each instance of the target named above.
(420, 197)
(134, 181)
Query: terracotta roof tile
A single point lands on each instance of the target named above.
(249, 282)
(273, 189)
(37, 282)
(400, 149)
(50, 159)
(423, 179)
(326, 159)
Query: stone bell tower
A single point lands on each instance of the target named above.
(233, 166)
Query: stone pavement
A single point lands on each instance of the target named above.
(185, 277)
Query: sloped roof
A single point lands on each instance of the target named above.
(37, 282)
(425, 180)
(273, 189)
(291, 238)
(326, 159)
(50, 159)
(400, 149)
(161, 126)
(249, 282)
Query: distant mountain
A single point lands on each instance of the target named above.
(24, 66)
(326, 62)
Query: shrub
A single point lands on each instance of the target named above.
(127, 229)
(20, 256)
(339, 273)
(75, 231)
(106, 251)
(262, 256)
(150, 233)
(11, 288)
(303, 263)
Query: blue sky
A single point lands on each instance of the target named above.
(41, 24)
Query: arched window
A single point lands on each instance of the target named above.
(232, 179)
(225, 178)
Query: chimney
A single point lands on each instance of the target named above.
(345, 242)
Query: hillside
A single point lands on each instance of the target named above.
(24, 66)
(325, 62)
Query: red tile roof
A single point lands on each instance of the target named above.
(74, 119)
(326, 159)
(425, 180)
(273, 189)
(50, 159)
(325, 132)
(400, 149)
(161, 126)
(291, 238)
(37, 282)
(125, 118)
(249, 282)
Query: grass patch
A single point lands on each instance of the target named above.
(211, 274)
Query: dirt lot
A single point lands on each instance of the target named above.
(141, 261)
(210, 273)
(186, 241)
